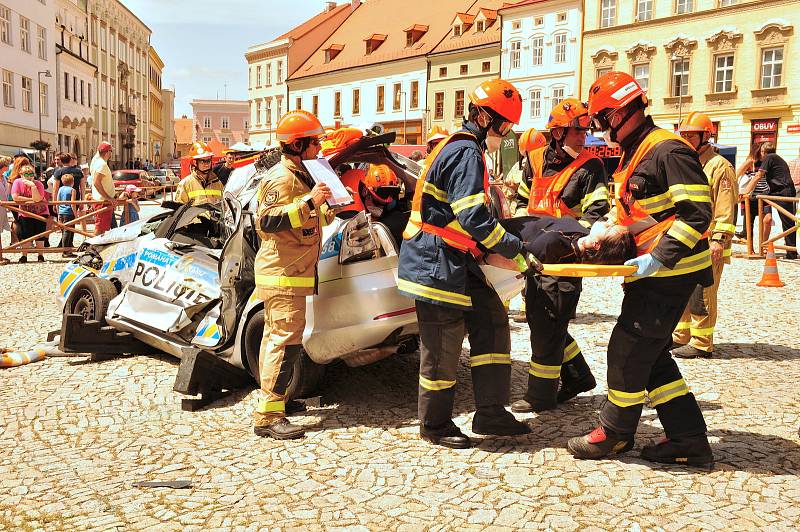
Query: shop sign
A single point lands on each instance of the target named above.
(793, 128)
(767, 125)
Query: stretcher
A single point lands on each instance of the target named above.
(587, 270)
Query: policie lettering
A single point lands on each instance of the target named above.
(153, 276)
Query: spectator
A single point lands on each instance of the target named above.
(224, 168)
(778, 177)
(69, 165)
(745, 174)
(66, 212)
(794, 169)
(30, 194)
(130, 211)
(102, 188)
(416, 156)
(5, 162)
(20, 160)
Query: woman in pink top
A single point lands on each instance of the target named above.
(29, 193)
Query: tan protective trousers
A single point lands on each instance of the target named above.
(281, 345)
(696, 326)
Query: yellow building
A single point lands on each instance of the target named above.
(157, 118)
(731, 59)
(468, 55)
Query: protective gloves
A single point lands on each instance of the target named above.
(527, 263)
(646, 265)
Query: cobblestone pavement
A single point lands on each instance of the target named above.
(76, 435)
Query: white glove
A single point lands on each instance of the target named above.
(646, 265)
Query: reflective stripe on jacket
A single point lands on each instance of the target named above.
(453, 196)
(286, 262)
(191, 190)
(662, 195)
(724, 196)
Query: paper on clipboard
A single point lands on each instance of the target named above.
(322, 172)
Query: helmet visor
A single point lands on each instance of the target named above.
(581, 122)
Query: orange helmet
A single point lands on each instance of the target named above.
(569, 113)
(296, 125)
(697, 122)
(380, 175)
(500, 96)
(200, 150)
(338, 139)
(531, 139)
(437, 133)
(614, 91)
(351, 179)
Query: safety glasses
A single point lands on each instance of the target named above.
(28, 174)
(582, 122)
(203, 161)
(601, 121)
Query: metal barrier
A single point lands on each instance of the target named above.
(760, 252)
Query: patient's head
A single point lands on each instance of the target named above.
(607, 243)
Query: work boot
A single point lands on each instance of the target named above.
(497, 421)
(676, 345)
(280, 430)
(540, 396)
(791, 255)
(447, 436)
(573, 388)
(525, 406)
(689, 351)
(598, 444)
(690, 450)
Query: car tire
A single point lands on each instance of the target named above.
(306, 375)
(90, 299)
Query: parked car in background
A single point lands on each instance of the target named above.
(139, 178)
(164, 176)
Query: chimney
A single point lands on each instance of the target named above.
(330, 6)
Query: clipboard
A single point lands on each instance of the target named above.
(322, 172)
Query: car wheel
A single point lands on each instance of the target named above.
(90, 298)
(306, 374)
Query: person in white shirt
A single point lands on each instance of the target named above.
(102, 188)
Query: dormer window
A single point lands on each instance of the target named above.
(332, 51)
(481, 26)
(457, 30)
(415, 33)
(484, 19)
(373, 42)
(462, 23)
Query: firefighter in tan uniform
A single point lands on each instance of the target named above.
(291, 214)
(694, 334)
(201, 186)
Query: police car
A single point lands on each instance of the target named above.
(182, 280)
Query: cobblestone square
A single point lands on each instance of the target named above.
(76, 435)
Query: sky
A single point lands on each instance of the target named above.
(202, 42)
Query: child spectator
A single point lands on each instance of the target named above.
(130, 212)
(66, 212)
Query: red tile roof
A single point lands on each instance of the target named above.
(471, 37)
(387, 17)
(510, 5)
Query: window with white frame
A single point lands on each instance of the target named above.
(725, 3)
(8, 88)
(207, 122)
(206, 139)
(268, 111)
(683, 6)
(680, 77)
(516, 24)
(5, 24)
(641, 73)
(27, 94)
(438, 106)
(66, 85)
(723, 73)
(103, 38)
(535, 99)
(337, 104)
(560, 42)
(298, 103)
(356, 101)
(103, 94)
(600, 72)
(258, 113)
(258, 76)
(279, 72)
(43, 99)
(771, 67)
(88, 94)
(226, 122)
(538, 22)
(25, 34)
(516, 46)
(557, 96)
(41, 41)
(608, 13)
(537, 50)
(458, 107)
(644, 10)
(269, 74)
(226, 141)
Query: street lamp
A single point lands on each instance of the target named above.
(39, 79)
(405, 113)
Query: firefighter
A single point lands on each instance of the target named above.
(694, 335)
(435, 136)
(378, 193)
(663, 197)
(438, 267)
(291, 213)
(519, 178)
(566, 181)
(201, 185)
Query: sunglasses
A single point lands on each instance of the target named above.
(498, 124)
(602, 120)
(582, 122)
(29, 174)
(203, 161)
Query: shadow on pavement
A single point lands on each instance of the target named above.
(755, 351)
(590, 318)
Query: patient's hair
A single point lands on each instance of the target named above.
(616, 248)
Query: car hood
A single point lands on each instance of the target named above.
(125, 233)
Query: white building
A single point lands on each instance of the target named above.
(541, 55)
(75, 77)
(119, 45)
(27, 72)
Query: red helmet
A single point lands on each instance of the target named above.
(200, 150)
(531, 139)
(500, 96)
(296, 125)
(569, 113)
(614, 91)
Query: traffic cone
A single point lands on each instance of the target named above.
(770, 277)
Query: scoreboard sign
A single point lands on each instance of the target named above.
(604, 152)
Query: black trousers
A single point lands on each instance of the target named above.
(442, 330)
(786, 223)
(640, 364)
(550, 304)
